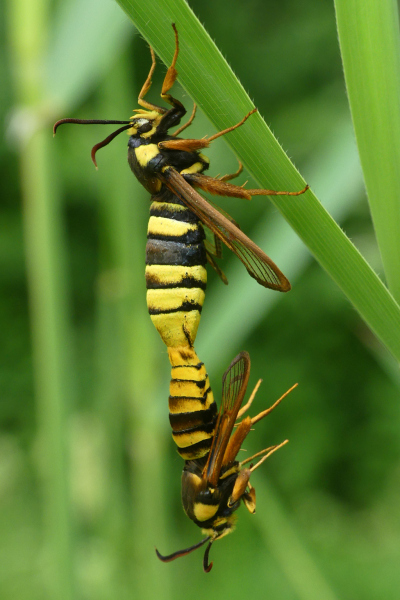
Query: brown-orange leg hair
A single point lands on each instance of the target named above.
(242, 482)
(250, 400)
(171, 75)
(192, 145)
(243, 428)
(266, 412)
(268, 451)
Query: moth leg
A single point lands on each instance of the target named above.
(146, 86)
(232, 175)
(240, 486)
(186, 125)
(250, 400)
(229, 129)
(249, 499)
(261, 453)
(193, 145)
(171, 75)
(223, 188)
(172, 116)
(266, 412)
(267, 455)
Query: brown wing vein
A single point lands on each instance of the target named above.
(234, 384)
(257, 263)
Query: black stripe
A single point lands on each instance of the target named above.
(184, 307)
(168, 212)
(200, 384)
(201, 398)
(203, 427)
(197, 448)
(173, 253)
(165, 195)
(192, 236)
(198, 366)
(188, 421)
(210, 522)
(154, 282)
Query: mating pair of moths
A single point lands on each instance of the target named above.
(171, 168)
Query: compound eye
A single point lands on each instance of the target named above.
(143, 125)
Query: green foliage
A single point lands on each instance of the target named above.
(210, 85)
(370, 44)
(89, 478)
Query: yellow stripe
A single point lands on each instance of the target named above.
(203, 512)
(234, 469)
(188, 439)
(173, 298)
(182, 405)
(175, 274)
(189, 373)
(230, 521)
(204, 157)
(195, 168)
(170, 227)
(145, 153)
(183, 356)
(190, 454)
(171, 327)
(186, 388)
(168, 206)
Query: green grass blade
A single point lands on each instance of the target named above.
(45, 252)
(246, 297)
(206, 76)
(370, 44)
(51, 340)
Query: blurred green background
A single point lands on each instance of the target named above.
(89, 475)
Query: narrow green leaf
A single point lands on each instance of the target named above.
(370, 44)
(246, 297)
(206, 76)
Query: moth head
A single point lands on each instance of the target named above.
(144, 123)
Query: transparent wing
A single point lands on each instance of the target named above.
(212, 243)
(257, 263)
(234, 384)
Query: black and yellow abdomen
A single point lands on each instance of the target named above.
(175, 275)
(192, 408)
(176, 280)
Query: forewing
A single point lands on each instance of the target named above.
(257, 263)
(234, 384)
(219, 272)
(212, 243)
(214, 248)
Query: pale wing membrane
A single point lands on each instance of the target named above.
(233, 379)
(219, 272)
(213, 247)
(212, 243)
(234, 384)
(218, 247)
(257, 263)
(223, 212)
